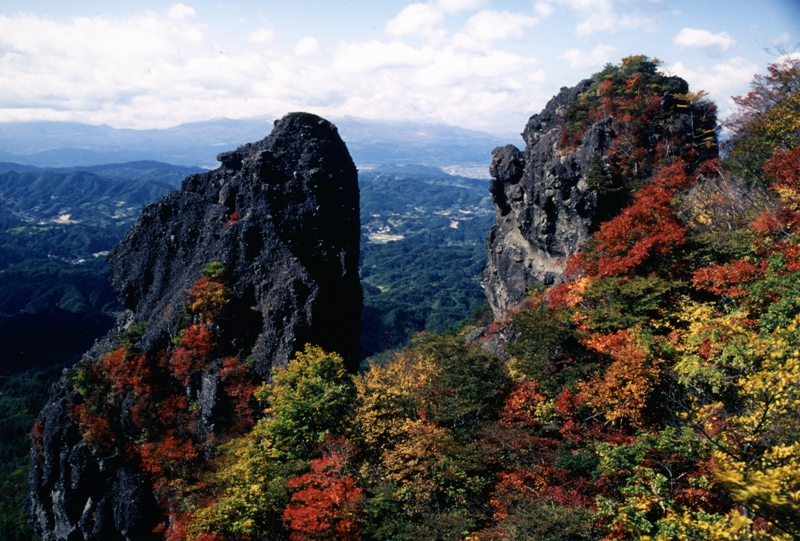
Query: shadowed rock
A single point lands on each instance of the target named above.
(543, 208)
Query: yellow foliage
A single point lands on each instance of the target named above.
(387, 397)
(735, 526)
(208, 298)
(782, 121)
(431, 468)
(576, 290)
(757, 444)
(697, 97)
(252, 483)
(416, 463)
(711, 346)
(771, 486)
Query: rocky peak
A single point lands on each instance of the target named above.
(584, 154)
(281, 217)
(543, 210)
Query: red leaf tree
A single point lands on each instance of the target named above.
(328, 504)
(647, 227)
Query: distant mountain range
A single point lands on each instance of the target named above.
(371, 142)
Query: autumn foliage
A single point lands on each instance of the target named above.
(163, 432)
(646, 228)
(326, 504)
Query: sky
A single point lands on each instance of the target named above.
(480, 64)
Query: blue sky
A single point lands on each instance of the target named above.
(480, 64)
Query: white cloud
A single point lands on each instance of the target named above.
(454, 6)
(601, 15)
(599, 56)
(488, 26)
(262, 35)
(781, 39)
(721, 81)
(369, 56)
(180, 12)
(543, 9)
(306, 46)
(416, 19)
(158, 70)
(693, 37)
(789, 56)
(453, 67)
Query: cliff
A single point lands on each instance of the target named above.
(279, 220)
(585, 152)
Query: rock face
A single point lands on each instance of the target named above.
(544, 208)
(77, 495)
(293, 251)
(282, 217)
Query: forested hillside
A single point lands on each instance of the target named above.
(57, 226)
(422, 251)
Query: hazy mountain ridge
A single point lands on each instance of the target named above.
(47, 196)
(67, 144)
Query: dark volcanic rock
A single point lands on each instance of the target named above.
(78, 495)
(544, 208)
(282, 216)
(293, 253)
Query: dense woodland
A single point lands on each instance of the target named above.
(429, 280)
(655, 394)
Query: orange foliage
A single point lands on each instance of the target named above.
(771, 227)
(622, 390)
(520, 405)
(512, 486)
(95, 429)
(167, 455)
(37, 436)
(570, 294)
(232, 219)
(175, 530)
(126, 372)
(208, 298)
(784, 169)
(195, 351)
(727, 279)
(783, 172)
(199, 339)
(239, 386)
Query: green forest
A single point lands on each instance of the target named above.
(654, 394)
(429, 278)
